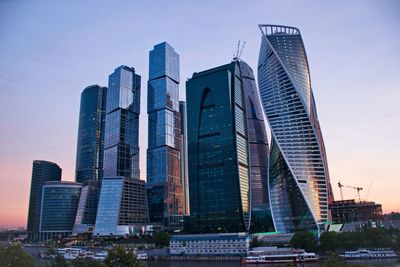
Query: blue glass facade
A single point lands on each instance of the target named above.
(122, 205)
(218, 151)
(299, 185)
(59, 205)
(164, 187)
(42, 172)
(90, 147)
(87, 208)
(121, 144)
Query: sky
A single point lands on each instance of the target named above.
(51, 50)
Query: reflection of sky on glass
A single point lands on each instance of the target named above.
(50, 52)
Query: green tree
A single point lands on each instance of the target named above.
(162, 239)
(329, 241)
(304, 240)
(119, 257)
(78, 262)
(58, 261)
(14, 256)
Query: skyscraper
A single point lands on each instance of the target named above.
(299, 185)
(90, 154)
(90, 146)
(42, 171)
(261, 220)
(121, 143)
(220, 136)
(164, 187)
(122, 203)
(184, 159)
(59, 205)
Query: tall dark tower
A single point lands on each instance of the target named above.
(90, 147)
(42, 172)
(227, 151)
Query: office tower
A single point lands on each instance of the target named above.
(90, 154)
(261, 220)
(298, 177)
(121, 141)
(220, 133)
(42, 171)
(87, 208)
(122, 203)
(90, 147)
(164, 187)
(59, 206)
(122, 207)
(184, 160)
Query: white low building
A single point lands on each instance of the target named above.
(210, 244)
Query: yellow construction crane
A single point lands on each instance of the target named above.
(340, 185)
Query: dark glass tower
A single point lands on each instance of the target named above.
(123, 202)
(121, 144)
(184, 159)
(164, 187)
(261, 220)
(42, 172)
(298, 178)
(89, 152)
(218, 148)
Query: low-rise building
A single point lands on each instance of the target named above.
(210, 244)
(58, 208)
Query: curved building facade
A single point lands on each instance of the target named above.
(90, 145)
(299, 186)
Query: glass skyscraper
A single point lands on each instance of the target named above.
(299, 185)
(59, 205)
(226, 139)
(261, 220)
(90, 154)
(121, 143)
(42, 172)
(164, 186)
(90, 147)
(122, 203)
(184, 159)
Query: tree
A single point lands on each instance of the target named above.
(58, 261)
(329, 241)
(14, 256)
(162, 239)
(304, 240)
(119, 257)
(78, 262)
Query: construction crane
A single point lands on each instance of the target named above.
(340, 188)
(340, 185)
(239, 51)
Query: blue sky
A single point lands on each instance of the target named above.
(51, 50)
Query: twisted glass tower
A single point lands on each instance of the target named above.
(299, 187)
